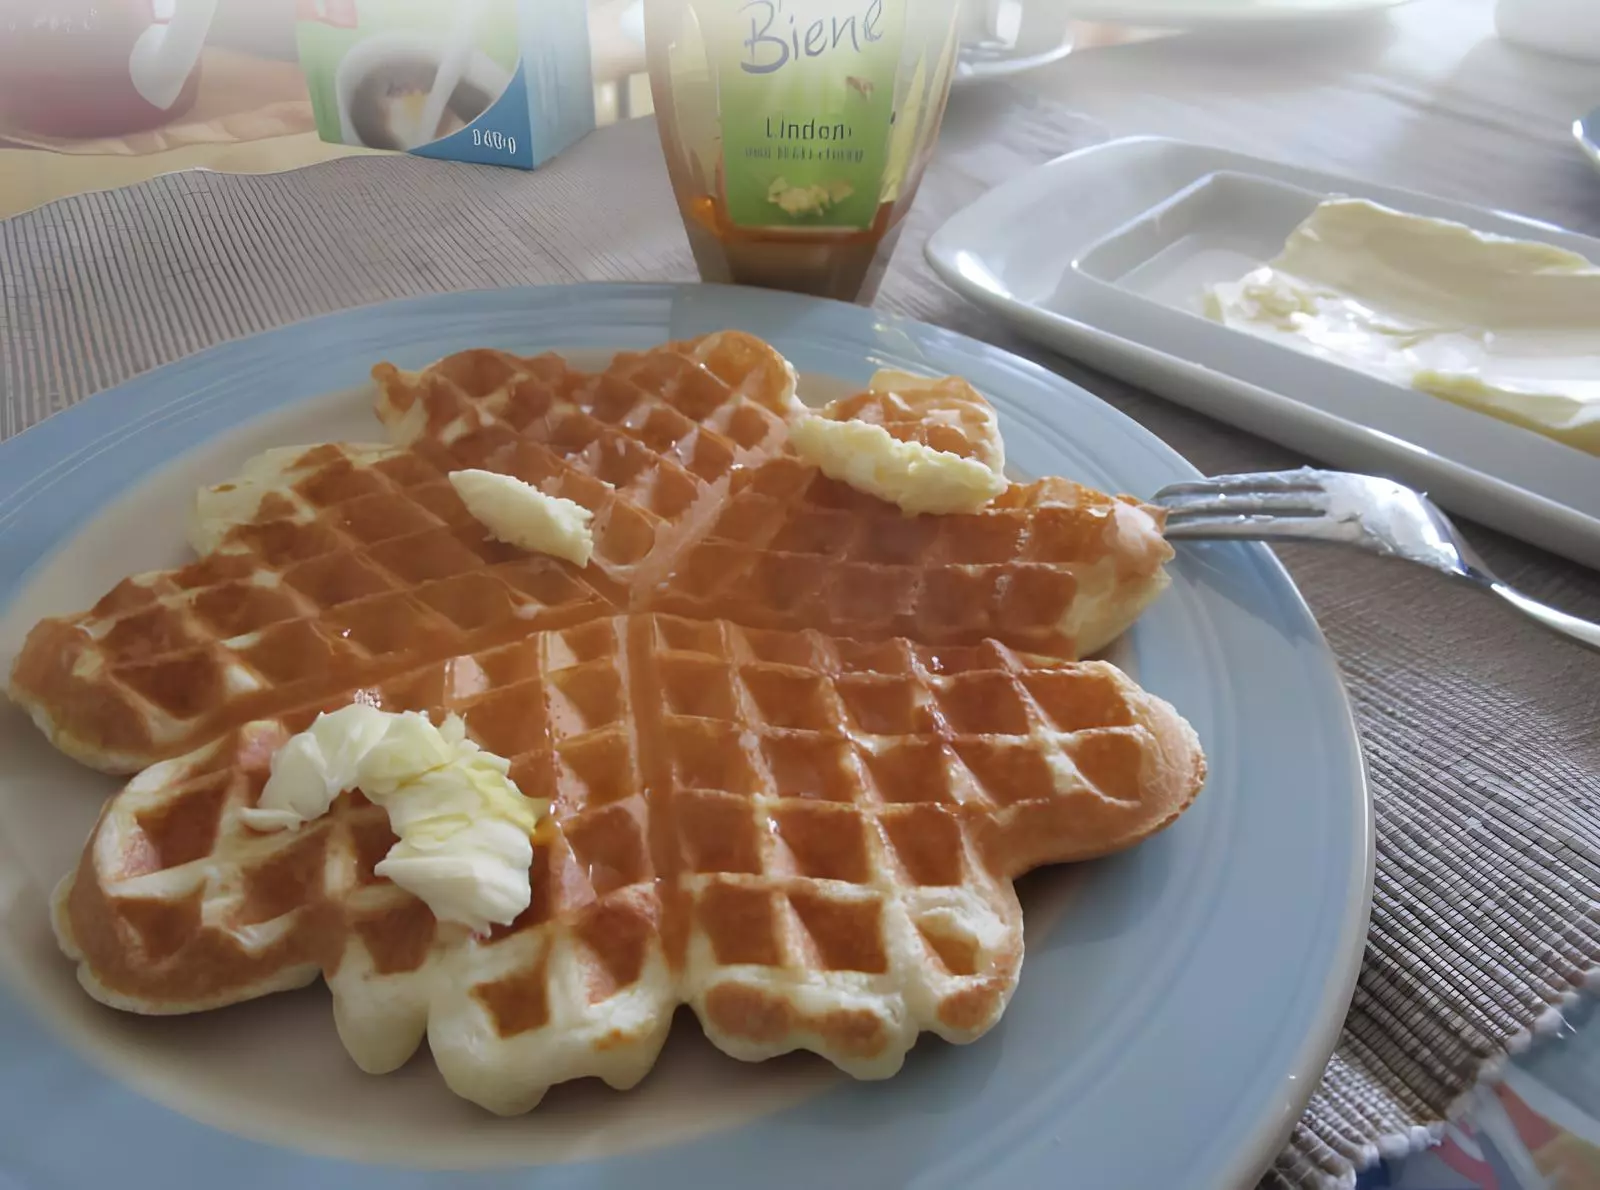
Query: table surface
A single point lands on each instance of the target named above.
(1480, 730)
(1462, 710)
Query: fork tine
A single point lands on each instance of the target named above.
(1295, 495)
(1203, 516)
(1300, 480)
(1306, 527)
(1305, 480)
(1198, 523)
(1243, 503)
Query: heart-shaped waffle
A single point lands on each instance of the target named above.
(798, 744)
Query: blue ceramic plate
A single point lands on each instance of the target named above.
(1177, 1003)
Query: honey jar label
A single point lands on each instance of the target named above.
(807, 95)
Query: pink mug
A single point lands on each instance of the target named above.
(82, 68)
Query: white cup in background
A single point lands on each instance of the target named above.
(1001, 37)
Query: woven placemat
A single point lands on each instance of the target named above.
(1480, 730)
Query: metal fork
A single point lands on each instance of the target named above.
(1373, 514)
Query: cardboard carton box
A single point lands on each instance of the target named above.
(500, 82)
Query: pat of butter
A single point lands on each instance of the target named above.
(462, 825)
(1508, 327)
(520, 514)
(315, 767)
(916, 477)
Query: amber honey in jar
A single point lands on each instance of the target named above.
(796, 131)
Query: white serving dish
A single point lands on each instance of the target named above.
(1103, 255)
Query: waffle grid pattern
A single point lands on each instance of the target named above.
(806, 839)
(647, 446)
(355, 563)
(348, 563)
(793, 549)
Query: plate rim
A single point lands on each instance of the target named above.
(1173, 14)
(975, 73)
(1269, 1132)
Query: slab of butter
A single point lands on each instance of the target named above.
(520, 514)
(462, 826)
(848, 441)
(1508, 327)
(916, 477)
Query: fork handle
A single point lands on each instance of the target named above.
(1566, 625)
(1562, 623)
(1372, 514)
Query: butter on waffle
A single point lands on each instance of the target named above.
(948, 415)
(647, 446)
(811, 841)
(1050, 567)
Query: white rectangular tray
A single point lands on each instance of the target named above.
(1104, 254)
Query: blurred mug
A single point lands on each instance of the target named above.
(1002, 35)
(83, 68)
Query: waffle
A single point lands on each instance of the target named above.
(648, 446)
(1050, 567)
(326, 567)
(347, 564)
(809, 840)
(798, 743)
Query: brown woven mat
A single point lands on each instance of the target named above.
(1481, 731)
